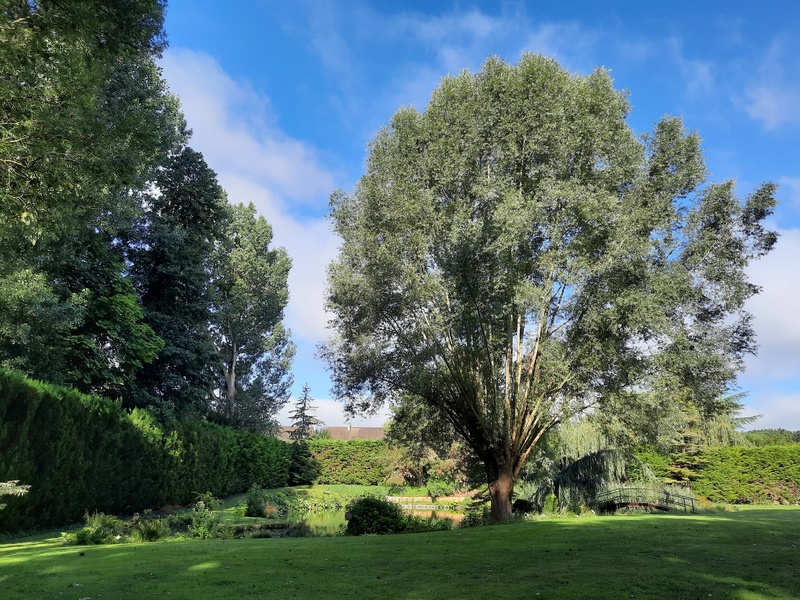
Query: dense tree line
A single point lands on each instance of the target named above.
(123, 269)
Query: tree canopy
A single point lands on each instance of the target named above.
(515, 255)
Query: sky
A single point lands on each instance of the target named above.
(283, 99)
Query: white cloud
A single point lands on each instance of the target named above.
(330, 413)
(775, 97)
(256, 162)
(697, 73)
(780, 411)
(776, 310)
(237, 132)
(775, 105)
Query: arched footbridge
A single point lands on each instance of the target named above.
(653, 498)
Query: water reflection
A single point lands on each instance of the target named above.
(332, 522)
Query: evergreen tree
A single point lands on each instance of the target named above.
(184, 218)
(303, 419)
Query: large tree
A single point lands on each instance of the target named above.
(84, 120)
(254, 348)
(184, 218)
(515, 255)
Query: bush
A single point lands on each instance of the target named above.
(438, 488)
(206, 525)
(99, 529)
(475, 517)
(304, 468)
(255, 504)
(739, 475)
(375, 516)
(147, 528)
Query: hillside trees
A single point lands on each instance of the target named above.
(515, 255)
(246, 322)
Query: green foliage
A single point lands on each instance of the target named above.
(374, 516)
(255, 503)
(99, 529)
(550, 506)
(438, 488)
(772, 437)
(303, 419)
(183, 218)
(359, 462)
(304, 468)
(246, 322)
(147, 528)
(78, 452)
(767, 474)
(12, 488)
(85, 118)
(205, 524)
(509, 249)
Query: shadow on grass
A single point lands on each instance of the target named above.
(744, 555)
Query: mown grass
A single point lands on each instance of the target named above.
(743, 555)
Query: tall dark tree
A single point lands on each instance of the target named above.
(84, 120)
(254, 348)
(516, 255)
(185, 216)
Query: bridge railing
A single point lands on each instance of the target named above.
(659, 497)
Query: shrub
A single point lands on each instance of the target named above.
(375, 516)
(437, 488)
(206, 525)
(99, 529)
(550, 505)
(255, 503)
(147, 528)
(476, 516)
(739, 475)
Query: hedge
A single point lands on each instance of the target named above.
(351, 462)
(83, 453)
(736, 474)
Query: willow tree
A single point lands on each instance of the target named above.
(515, 255)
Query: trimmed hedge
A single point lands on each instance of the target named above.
(351, 462)
(83, 453)
(735, 474)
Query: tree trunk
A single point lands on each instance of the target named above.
(501, 486)
(230, 391)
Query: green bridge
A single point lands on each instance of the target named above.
(654, 498)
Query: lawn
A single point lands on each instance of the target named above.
(746, 554)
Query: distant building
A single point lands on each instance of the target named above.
(341, 433)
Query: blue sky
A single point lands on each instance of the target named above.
(283, 98)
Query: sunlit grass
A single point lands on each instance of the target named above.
(743, 555)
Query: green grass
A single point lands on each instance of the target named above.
(743, 555)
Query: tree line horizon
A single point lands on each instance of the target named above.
(513, 257)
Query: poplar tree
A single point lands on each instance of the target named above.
(515, 255)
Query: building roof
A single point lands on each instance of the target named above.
(341, 433)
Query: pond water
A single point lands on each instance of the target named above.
(332, 522)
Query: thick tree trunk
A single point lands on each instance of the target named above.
(501, 486)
